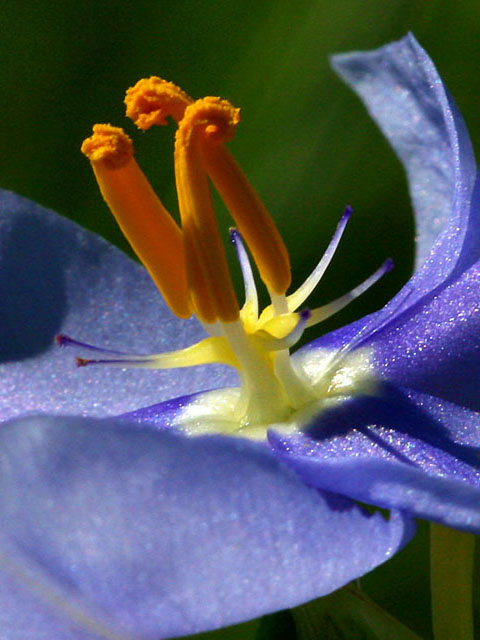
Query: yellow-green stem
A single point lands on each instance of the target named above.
(451, 580)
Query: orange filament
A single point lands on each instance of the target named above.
(152, 232)
(151, 100)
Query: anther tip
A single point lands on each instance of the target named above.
(218, 117)
(347, 212)
(81, 362)
(61, 339)
(109, 145)
(234, 235)
(305, 314)
(388, 265)
(151, 100)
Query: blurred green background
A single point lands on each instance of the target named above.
(305, 141)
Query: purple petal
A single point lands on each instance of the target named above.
(159, 535)
(402, 450)
(428, 335)
(406, 97)
(28, 615)
(58, 278)
(435, 346)
(162, 415)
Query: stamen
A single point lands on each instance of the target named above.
(209, 279)
(152, 232)
(370, 328)
(207, 351)
(251, 298)
(252, 218)
(149, 102)
(279, 303)
(189, 264)
(124, 364)
(297, 392)
(152, 99)
(301, 294)
(322, 313)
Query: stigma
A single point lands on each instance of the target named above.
(187, 261)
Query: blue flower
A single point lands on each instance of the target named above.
(113, 526)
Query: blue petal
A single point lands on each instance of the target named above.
(406, 97)
(26, 615)
(433, 347)
(57, 277)
(428, 336)
(401, 450)
(157, 535)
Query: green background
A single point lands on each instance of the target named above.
(305, 141)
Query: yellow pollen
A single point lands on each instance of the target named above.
(151, 100)
(152, 232)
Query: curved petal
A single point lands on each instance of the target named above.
(157, 535)
(402, 450)
(433, 347)
(57, 277)
(406, 97)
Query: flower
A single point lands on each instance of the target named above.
(115, 526)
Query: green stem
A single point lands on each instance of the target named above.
(451, 582)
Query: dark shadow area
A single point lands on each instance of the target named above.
(339, 503)
(32, 287)
(391, 409)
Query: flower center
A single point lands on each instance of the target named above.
(188, 262)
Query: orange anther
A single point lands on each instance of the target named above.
(110, 145)
(151, 100)
(218, 119)
(208, 275)
(189, 265)
(152, 232)
(254, 222)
